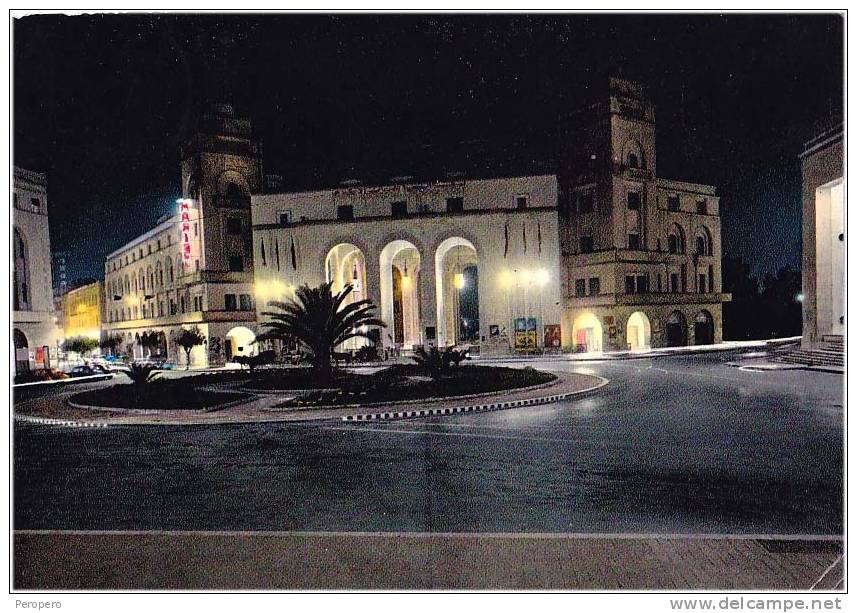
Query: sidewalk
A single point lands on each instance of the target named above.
(59, 560)
(635, 355)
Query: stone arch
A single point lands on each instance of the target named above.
(239, 342)
(633, 155)
(703, 242)
(676, 239)
(703, 328)
(399, 264)
(638, 332)
(21, 272)
(587, 333)
(449, 283)
(676, 329)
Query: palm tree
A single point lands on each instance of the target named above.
(317, 319)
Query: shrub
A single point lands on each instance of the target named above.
(142, 374)
(436, 362)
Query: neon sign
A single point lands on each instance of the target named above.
(184, 224)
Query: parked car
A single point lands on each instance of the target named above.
(83, 371)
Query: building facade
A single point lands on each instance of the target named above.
(600, 254)
(652, 245)
(33, 315)
(83, 311)
(823, 266)
(195, 268)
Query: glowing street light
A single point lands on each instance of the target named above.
(542, 277)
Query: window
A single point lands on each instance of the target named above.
(674, 283)
(520, 202)
(36, 204)
(149, 247)
(659, 283)
(585, 203)
(195, 230)
(594, 286)
(284, 217)
(700, 245)
(702, 207)
(236, 263)
(233, 225)
(580, 288)
(633, 201)
(345, 212)
(172, 307)
(642, 284)
(455, 205)
(245, 304)
(634, 242)
(197, 303)
(672, 203)
(711, 279)
(629, 284)
(399, 209)
(701, 286)
(183, 304)
(586, 244)
(230, 302)
(633, 160)
(159, 244)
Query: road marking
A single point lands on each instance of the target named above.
(824, 574)
(459, 434)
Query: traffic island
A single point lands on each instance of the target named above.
(531, 388)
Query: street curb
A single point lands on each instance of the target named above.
(46, 421)
(479, 408)
(217, 407)
(68, 381)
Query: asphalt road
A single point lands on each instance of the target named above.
(680, 444)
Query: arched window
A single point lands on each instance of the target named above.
(633, 160)
(159, 272)
(170, 274)
(127, 285)
(22, 274)
(703, 242)
(675, 241)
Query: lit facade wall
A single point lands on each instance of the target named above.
(82, 311)
(823, 266)
(507, 227)
(195, 267)
(33, 315)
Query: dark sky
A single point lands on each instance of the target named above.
(102, 103)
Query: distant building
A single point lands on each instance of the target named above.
(823, 240)
(195, 268)
(596, 253)
(82, 311)
(35, 333)
(60, 271)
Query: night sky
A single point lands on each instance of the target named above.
(102, 103)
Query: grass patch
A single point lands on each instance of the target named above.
(160, 394)
(407, 382)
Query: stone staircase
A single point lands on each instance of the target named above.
(830, 353)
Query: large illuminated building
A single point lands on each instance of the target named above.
(824, 246)
(195, 268)
(83, 311)
(592, 253)
(35, 332)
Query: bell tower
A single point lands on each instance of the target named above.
(221, 167)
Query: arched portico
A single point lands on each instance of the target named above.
(239, 341)
(456, 281)
(703, 328)
(638, 332)
(399, 265)
(676, 330)
(587, 334)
